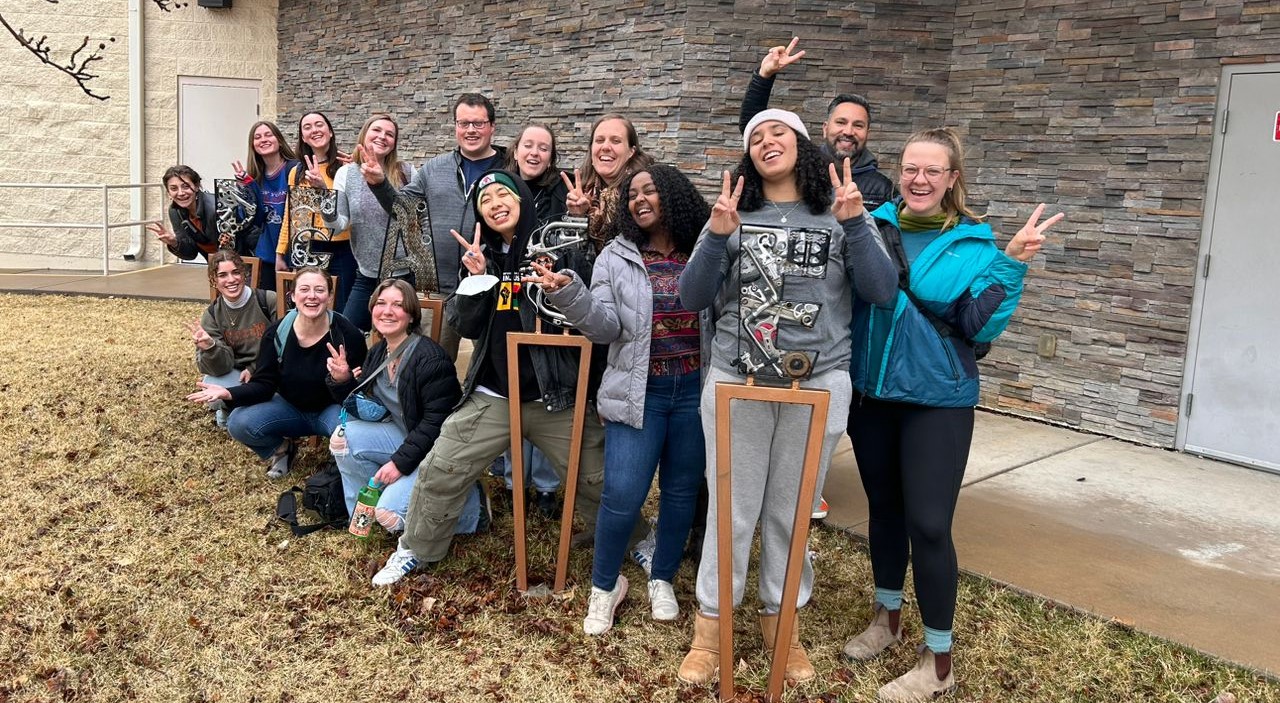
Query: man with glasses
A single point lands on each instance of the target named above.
(445, 181)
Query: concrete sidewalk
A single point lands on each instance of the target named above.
(1175, 545)
(1182, 547)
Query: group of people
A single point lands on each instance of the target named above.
(810, 262)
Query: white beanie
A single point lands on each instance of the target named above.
(786, 117)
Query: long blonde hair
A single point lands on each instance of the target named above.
(953, 201)
(391, 166)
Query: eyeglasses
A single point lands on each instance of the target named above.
(472, 124)
(931, 173)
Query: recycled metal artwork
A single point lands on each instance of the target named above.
(769, 254)
(234, 207)
(409, 245)
(307, 207)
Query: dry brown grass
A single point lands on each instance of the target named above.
(142, 561)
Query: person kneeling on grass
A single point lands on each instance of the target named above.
(229, 333)
(287, 397)
(487, 306)
(412, 384)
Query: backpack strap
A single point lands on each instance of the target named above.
(261, 296)
(892, 237)
(286, 324)
(287, 511)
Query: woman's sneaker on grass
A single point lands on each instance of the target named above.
(642, 553)
(278, 464)
(602, 605)
(662, 601)
(400, 563)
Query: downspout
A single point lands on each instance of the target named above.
(137, 144)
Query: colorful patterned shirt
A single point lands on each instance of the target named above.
(675, 346)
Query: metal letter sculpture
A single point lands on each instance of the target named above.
(306, 205)
(549, 246)
(768, 254)
(409, 244)
(235, 208)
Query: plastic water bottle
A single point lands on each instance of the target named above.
(366, 504)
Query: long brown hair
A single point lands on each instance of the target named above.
(391, 166)
(256, 165)
(953, 201)
(591, 181)
(330, 154)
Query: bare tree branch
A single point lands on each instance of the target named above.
(77, 66)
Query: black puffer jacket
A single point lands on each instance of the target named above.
(427, 383)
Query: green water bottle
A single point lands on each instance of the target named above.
(366, 504)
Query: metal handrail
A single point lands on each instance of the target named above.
(103, 225)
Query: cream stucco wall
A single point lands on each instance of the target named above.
(50, 132)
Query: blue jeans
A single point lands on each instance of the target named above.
(671, 443)
(538, 471)
(264, 426)
(369, 446)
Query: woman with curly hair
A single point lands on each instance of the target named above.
(786, 293)
(613, 154)
(649, 394)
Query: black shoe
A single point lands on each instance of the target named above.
(486, 511)
(547, 504)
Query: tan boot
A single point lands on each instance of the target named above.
(875, 639)
(798, 666)
(918, 685)
(703, 659)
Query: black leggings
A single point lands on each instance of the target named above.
(911, 459)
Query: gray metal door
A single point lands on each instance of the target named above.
(1233, 411)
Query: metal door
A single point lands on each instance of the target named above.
(1232, 406)
(214, 116)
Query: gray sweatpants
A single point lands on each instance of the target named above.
(768, 453)
(471, 438)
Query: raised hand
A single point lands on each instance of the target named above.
(848, 204)
(1027, 242)
(165, 236)
(208, 393)
(241, 175)
(779, 57)
(576, 202)
(345, 158)
(337, 363)
(472, 256)
(724, 214)
(315, 171)
(370, 167)
(547, 279)
(199, 335)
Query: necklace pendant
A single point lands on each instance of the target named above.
(784, 219)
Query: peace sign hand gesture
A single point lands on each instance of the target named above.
(199, 335)
(1026, 243)
(472, 257)
(315, 171)
(241, 175)
(165, 236)
(724, 214)
(779, 57)
(370, 167)
(548, 280)
(337, 363)
(848, 204)
(576, 202)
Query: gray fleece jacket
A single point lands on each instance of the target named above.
(440, 182)
(820, 265)
(618, 311)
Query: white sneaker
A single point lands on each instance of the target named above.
(662, 601)
(400, 563)
(602, 605)
(642, 553)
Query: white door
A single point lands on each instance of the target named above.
(1233, 377)
(214, 117)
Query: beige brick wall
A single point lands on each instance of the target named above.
(51, 132)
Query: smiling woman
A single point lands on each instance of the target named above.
(288, 396)
(613, 154)
(192, 215)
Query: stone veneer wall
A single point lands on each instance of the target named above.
(1104, 110)
(53, 133)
